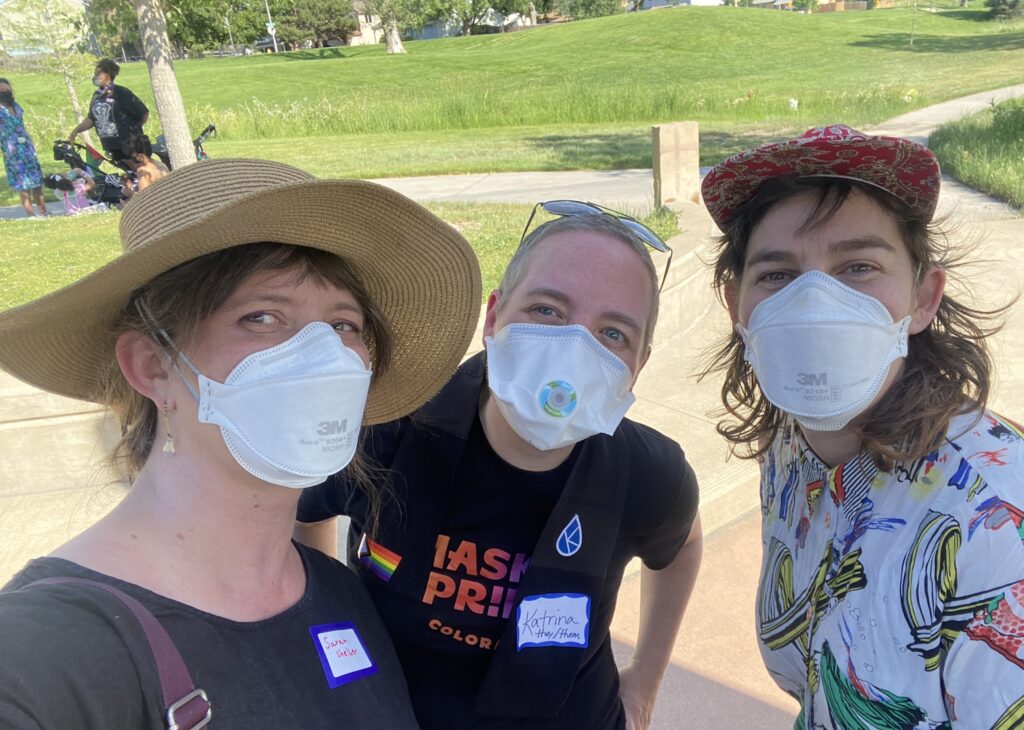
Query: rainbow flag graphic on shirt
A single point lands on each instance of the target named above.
(378, 559)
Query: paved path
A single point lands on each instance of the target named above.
(630, 189)
(716, 679)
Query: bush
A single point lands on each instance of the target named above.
(986, 151)
(1004, 8)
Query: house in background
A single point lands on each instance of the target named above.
(369, 31)
(492, 22)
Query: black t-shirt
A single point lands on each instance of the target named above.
(65, 660)
(444, 637)
(116, 115)
(462, 508)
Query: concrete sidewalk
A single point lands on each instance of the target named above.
(50, 487)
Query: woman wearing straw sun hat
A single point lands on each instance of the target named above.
(256, 318)
(892, 579)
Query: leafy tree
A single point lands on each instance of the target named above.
(191, 24)
(807, 5)
(1005, 8)
(249, 20)
(321, 20)
(196, 25)
(578, 9)
(396, 17)
(58, 32)
(545, 7)
(467, 13)
(115, 27)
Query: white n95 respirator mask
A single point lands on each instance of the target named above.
(289, 414)
(556, 385)
(821, 351)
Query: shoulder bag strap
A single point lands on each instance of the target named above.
(186, 707)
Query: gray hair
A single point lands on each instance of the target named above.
(606, 224)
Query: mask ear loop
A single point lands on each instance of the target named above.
(160, 336)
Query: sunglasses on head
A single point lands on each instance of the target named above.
(564, 208)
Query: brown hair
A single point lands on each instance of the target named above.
(137, 144)
(605, 224)
(179, 299)
(947, 369)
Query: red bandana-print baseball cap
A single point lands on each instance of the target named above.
(903, 168)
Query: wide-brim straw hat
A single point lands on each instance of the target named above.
(901, 167)
(420, 272)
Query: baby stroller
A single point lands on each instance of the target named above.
(160, 145)
(85, 157)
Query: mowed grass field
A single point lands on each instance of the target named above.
(579, 95)
(573, 96)
(40, 256)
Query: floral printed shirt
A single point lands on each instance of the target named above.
(896, 599)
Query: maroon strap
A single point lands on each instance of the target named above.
(185, 706)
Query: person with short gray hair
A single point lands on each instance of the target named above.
(520, 493)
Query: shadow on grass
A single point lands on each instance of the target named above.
(966, 15)
(612, 151)
(632, 149)
(315, 54)
(943, 44)
(326, 54)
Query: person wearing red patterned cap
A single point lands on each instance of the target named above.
(892, 582)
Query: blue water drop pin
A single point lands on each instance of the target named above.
(570, 540)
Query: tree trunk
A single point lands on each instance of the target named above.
(169, 105)
(394, 38)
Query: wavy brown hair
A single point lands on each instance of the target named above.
(947, 369)
(179, 299)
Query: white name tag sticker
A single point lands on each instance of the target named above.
(342, 653)
(553, 619)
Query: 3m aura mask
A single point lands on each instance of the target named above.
(556, 385)
(821, 351)
(289, 414)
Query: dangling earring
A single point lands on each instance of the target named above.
(169, 441)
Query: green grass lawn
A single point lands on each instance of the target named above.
(986, 151)
(574, 95)
(41, 256)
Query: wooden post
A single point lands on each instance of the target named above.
(676, 162)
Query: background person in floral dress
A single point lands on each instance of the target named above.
(20, 160)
